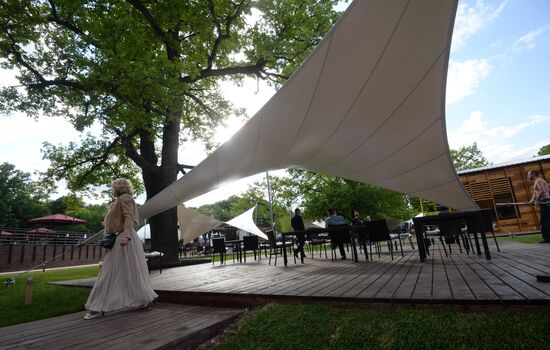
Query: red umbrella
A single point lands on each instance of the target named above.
(57, 219)
(42, 230)
(6, 233)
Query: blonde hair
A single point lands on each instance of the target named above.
(122, 186)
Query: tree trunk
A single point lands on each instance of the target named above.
(164, 226)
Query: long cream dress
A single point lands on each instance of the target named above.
(123, 281)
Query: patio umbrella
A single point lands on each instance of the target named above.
(57, 219)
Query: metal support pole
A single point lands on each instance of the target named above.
(270, 205)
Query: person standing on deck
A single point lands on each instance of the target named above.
(298, 225)
(542, 198)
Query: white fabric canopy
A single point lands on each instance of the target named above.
(393, 223)
(144, 232)
(193, 224)
(315, 224)
(367, 105)
(246, 223)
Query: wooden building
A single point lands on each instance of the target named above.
(503, 183)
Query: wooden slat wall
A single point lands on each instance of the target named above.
(482, 185)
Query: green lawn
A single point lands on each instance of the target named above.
(321, 327)
(528, 239)
(47, 300)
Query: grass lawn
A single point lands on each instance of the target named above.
(47, 300)
(528, 239)
(322, 327)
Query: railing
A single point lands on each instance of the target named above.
(19, 236)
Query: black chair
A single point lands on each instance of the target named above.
(218, 247)
(450, 232)
(314, 241)
(360, 233)
(378, 231)
(487, 224)
(274, 249)
(250, 243)
(339, 235)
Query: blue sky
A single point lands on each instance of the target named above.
(498, 93)
(498, 89)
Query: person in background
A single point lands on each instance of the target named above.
(123, 281)
(358, 232)
(542, 198)
(298, 225)
(336, 220)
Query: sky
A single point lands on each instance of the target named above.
(498, 94)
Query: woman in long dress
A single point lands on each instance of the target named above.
(123, 281)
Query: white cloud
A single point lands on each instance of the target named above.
(464, 78)
(528, 41)
(496, 142)
(471, 19)
(21, 139)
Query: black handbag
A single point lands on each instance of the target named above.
(109, 240)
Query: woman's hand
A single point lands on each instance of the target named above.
(123, 241)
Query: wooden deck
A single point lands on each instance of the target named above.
(460, 279)
(163, 326)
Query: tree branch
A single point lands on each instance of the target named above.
(126, 141)
(254, 69)
(100, 161)
(171, 48)
(203, 105)
(54, 18)
(182, 167)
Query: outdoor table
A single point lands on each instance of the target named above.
(473, 218)
(237, 244)
(312, 231)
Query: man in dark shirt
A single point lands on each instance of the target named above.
(298, 225)
(336, 220)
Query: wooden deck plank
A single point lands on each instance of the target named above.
(389, 288)
(407, 287)
(161, 325)
(352, 287)
(424, 284)
(441, 288)
(383, 279)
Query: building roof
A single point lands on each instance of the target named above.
(505, 164)
(367, 105)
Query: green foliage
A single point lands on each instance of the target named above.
(544, 150)
(526, 239)
(468, 157)
(321, 327)
(47, 300)
(145, 73)
(316, 193)
(221, 210)
(21, 198)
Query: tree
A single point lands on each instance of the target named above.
(72, 205)
(544, 150)
(21, 198)
(468, 157)
(316, 193)
(148, 73)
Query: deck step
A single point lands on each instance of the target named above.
(162, 326)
